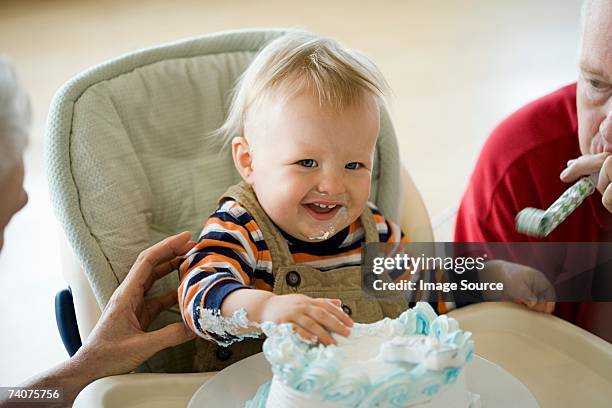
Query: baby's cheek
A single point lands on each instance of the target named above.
(361, 190)
(272, 205)
(281, 204)
(358, 200)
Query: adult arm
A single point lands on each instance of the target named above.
(119, 342)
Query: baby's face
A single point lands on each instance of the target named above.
(310, 166)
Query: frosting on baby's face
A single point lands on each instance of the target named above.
(310, 165)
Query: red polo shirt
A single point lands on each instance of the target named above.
(519, 167)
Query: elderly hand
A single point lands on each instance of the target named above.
(119, 343)
(593, 163)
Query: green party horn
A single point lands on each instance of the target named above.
(539, 223)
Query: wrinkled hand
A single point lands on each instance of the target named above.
(522, 284)
(593, 163)
(313, 319)
(119, 342)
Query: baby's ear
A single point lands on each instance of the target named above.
(241, 153)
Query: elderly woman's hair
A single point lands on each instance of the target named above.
(300, 61)
(15, 116)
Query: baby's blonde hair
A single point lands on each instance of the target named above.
(339, 76)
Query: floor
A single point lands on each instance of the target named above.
(456, 68)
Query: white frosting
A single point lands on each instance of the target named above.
(281, 395)
(237, 327)
(419, 348)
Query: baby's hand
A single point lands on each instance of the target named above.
(313, 319)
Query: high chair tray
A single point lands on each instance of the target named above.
(562, 364)
(142, 390)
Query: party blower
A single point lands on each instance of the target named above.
(540, 223)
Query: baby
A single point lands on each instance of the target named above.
(285, 244)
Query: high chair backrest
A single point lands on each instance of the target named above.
(128, 159)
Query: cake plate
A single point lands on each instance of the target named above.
(236, 384)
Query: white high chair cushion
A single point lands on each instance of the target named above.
(145, 169)
(129, 160)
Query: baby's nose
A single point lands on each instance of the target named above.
(331, 183)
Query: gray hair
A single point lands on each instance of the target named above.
(15, 116)
(586, 4)
(587, 9)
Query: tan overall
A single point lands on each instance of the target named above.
(341, 283)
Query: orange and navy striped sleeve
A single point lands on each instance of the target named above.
(226, 258)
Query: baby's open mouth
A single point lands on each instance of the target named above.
(322, 211)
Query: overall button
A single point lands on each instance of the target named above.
(347, 310)
(223, 353)
(293, 279)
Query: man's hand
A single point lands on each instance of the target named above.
(313, 319)
(119, 343)
(522, 284)
(593, 163)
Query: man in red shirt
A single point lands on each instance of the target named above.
(530, 158)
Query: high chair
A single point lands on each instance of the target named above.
(129, 164)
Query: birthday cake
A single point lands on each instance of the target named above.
(417, 359)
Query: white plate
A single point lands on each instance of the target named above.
(236, 384)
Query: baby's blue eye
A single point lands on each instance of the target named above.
(352, 166)
(308, 163)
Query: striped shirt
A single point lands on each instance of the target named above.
(232, 254)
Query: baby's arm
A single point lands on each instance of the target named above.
(312, 319)
(224, 260)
